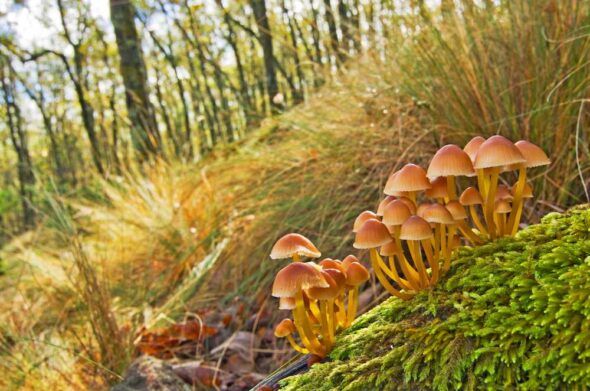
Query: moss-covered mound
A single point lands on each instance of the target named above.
(510, 314)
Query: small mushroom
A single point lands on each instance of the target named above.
(294, 246)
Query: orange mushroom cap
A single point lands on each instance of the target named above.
(295, 277)
(438, 189)
(502, 207)
(503, 193)
(285, 328)
(338, 276)
(422, 207)
(497, 151)
(361, 218)
(396, 212)
(286, 303)
(438, 214)
(327, 293)
(409, 204)
(470, 196)
(292, 244)
(384, 203)
(356, 274)
(450, 160)
(410, 178)
(472, 147)
(416, 228)
(332, 264)
(388, 249)
(457, 210)
(534, 155)
(372, 234)
(526, 193)
(348, 260)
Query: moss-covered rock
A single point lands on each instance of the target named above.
(510, 314)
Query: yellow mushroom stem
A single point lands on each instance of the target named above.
(332, 324)
(451, 188)
(340, 316)
(295, 345)
(449, 247)
(397, 278)
(489, 203)
(517, 203)
(482, 183)
(352, 305)
(416, 252)
(383, 279)
(468, 233)
(389, 272)
(477, 220)
(432, 261)
(296, 258)
(312, 309)
(437, 239)
(304, 328)
(443, 242)
(412, 197)
(326, 334)
(502, 222)
(409, 272)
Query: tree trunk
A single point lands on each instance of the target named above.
(296, 62)
(144, 131)
(331, 21)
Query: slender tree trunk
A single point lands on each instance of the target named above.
(296, 62)
(345, 26)
(356, 25)
(331, 22)
(144, 131)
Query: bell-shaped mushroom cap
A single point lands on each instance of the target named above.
(361, 218)
(526, 193)
(450, 160)
(422, 207)
(457, 210)
(472, 147)
(534, 155)
(416, 228)
(470, 196)
(356, 274)
(285, 328)
(503, 193)
(295, 277)
(292, 244)
(286, 303)
(410, 178)
(502, 207)
(438, 189)
(348, 260)
(327, 293)
(438, 214)
(388, 249)
(332, 264)
(372, 234)
(338, 276)
(409, 204)
(384, 203)
(396, 212)
(497, 151)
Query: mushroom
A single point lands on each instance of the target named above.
(285, 329)
(290, 281)
(471, 197)
(361, 218)
(416, 231)
(441, 218)
(356, 275)
(535, 157)
(493, 154)
(471, 149)
(459, 215)
(383, 203)
(371, 235)
(438, 190)
(501, 208)
(294, 246)
(450, 161)
(411, 179)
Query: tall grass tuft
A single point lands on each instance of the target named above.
(518, 68)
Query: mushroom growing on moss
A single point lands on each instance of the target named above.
(294, 246)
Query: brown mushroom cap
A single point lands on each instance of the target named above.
(422, 207)
(503, 193)
(438, 189)
(470, 196)
(372, 234)
(338, 276)
(292, 244)
(472, 147)
(361, 218)
(438, 214)
(332, 264)
(328, 293)
(348, 260)
(416, 228)
(534, 155)
(526, 193)
(383, 203)
(356, 274)
(409, 204)
(286, 303)
(395, 213)
(295, 277)
(497, 151)
(502, 207)
(285, 328)
(388, 249)
(457, 210)
(450, 160)
(410, 178)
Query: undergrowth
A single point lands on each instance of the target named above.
(510, 314)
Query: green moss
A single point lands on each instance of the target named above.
(511, 314)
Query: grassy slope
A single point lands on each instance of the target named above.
(513, 313)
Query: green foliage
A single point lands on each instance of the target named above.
(511, 314)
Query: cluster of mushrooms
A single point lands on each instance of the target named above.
(322, 296)
(416, 227)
